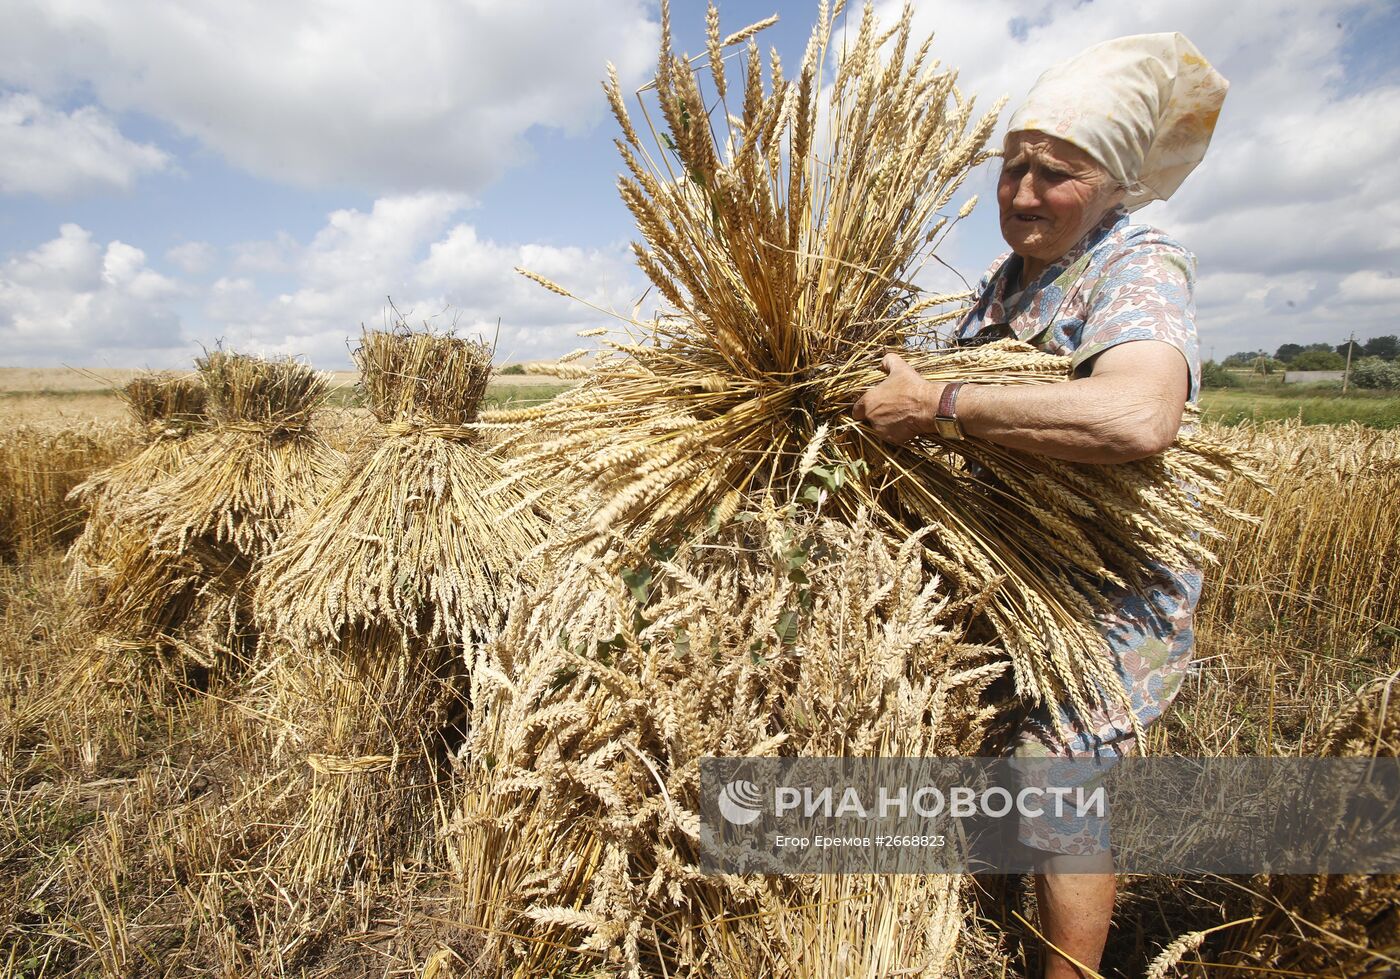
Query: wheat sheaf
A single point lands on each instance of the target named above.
(785, 238)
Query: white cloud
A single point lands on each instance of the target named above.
(53, 153)
(410, 249)
(72, 261)
(1290, 215)
(356, 249)
(1371, 287)
(390, 97)
(1297, 234)
(192, 257)
(273, 255)
(71, 300)
(477, 279)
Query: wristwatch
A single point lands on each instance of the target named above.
(945, 421)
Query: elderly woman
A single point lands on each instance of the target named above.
(1119, 125)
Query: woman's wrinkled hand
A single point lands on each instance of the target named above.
(901, 406)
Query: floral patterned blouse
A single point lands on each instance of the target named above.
(1121, 282)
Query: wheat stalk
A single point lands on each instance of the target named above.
(785, 243)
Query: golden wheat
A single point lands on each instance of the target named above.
(151, 818)
(577, 824)
(786, 243)
(1320, 565)
(134, 592)
(378, 594)
(39, 467)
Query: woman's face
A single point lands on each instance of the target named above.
(1050, 194)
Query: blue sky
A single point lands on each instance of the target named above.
(172, 175)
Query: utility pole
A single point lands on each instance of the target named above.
(1346, 376)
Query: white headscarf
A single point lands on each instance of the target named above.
(1143, 106)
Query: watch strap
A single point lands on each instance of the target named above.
(945, 420)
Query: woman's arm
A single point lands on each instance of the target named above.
(1129, 407)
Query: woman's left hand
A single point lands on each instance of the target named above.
(901, 406)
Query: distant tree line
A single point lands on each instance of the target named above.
(1316, 356)
(1374, 364)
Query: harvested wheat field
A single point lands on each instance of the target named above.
(155, 818)
(383, 675)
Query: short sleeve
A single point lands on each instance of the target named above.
(1146, 292)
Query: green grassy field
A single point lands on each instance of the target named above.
(499, 394)
(503, 394)
(1318, 404)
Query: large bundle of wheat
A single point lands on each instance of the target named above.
(786, 240)
(578, 833)
(131, 589)
(407, 541)
(381, 590)
(212, 520)
(261, 462)
(165, 404)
